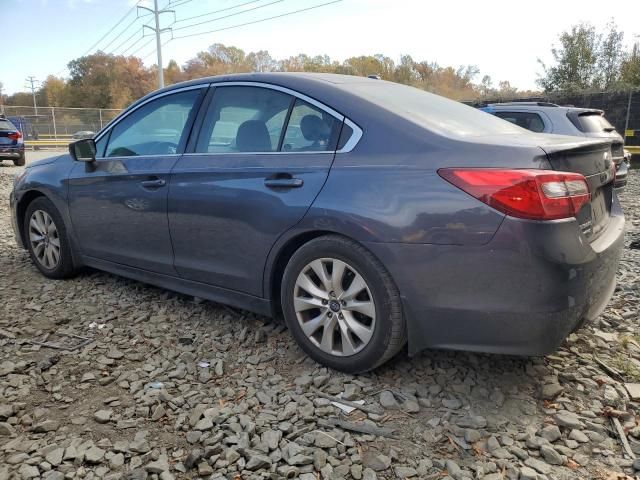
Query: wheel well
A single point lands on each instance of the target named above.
(285, 254)
(21, 209)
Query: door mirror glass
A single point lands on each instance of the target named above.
(83, 150)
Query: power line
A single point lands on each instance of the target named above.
(113, 28)
(230, 15)
(218, 11)
(133, 54)
(259, 21)
(138, 40)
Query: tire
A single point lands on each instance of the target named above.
(63, 267)
(20, 161)
(373, 335)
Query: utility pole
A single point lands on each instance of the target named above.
(32, 86)
(158, 31)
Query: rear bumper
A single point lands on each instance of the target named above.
(9, 153)
(522, 293)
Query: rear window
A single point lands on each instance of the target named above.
(436, 113)
(6, 125)
(529, 120)
(591, 122)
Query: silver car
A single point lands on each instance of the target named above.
(544, 117)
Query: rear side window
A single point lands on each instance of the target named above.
(529, 120)
(310, 129)
(244, 119)
(156, 128)
(591, 122)
(6, 125)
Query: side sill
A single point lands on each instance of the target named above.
(232, 298)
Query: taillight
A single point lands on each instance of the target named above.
(531, 194)
(15, 135)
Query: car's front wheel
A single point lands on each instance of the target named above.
(342, 306)
(46, 238)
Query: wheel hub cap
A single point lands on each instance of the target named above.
(334, 307)
(44, 239)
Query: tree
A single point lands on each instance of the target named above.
(173, 73)
(630, 69)
(108, 81)
(610, 56)
(586, 60)
(576, 60)
(54, 91)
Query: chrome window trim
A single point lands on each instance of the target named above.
(348, 146)
(353, 139)
(208, 154)
(126, 113)
(338, 116)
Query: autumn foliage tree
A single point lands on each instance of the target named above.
(107, 81)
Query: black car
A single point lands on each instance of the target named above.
(11, 143)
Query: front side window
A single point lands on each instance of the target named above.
(244, 119)
(156, 128)
(529, 120)
(310, 129)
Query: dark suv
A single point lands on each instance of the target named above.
(11, 143)
(544, 117)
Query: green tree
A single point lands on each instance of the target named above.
(630, 69)
(576, 60)
(610, 57)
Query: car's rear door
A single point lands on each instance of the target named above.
(261, 157)
(118, 203)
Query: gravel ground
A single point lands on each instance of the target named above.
(169, 386)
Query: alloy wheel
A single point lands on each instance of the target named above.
(44, 239)
(334, 307)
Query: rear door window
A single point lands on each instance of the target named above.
(529, 120)
(310, 129)
(244, 119)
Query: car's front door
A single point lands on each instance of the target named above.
(262, 156)
(118, 203)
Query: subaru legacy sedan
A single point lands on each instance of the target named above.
(368, 214)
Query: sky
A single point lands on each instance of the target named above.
(503, 38)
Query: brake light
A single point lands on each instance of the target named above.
(531, 194)
(15, 135)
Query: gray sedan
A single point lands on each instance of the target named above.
(369, 214)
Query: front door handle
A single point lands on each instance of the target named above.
(284, 182)
(157, 183)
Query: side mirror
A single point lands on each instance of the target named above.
(83, 150)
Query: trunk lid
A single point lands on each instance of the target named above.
(592, 159)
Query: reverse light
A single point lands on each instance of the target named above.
(531, 194)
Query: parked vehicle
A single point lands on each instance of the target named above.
(544, 117)
(83, 134)
(11, 143)
(368, 213)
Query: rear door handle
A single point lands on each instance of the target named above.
(157, 183)
(284, 182)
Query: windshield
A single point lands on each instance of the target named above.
(592, 122)
(433, 112)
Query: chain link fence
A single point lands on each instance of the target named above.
(58, 124)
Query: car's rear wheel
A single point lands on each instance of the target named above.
(342, 306)
(20, 161)
(46, 238)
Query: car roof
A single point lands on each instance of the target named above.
(540, 105)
